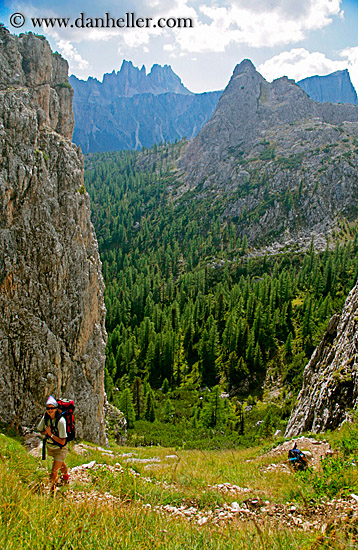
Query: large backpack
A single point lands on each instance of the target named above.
(67, 407)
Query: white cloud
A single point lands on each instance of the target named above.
(299, 63)
(223, 29)
(70, 53)
(351, 55)
(257, 23)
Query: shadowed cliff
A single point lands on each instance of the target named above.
(52, 334)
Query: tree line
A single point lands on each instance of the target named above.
(188, 305)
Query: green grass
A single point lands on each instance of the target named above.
(31, 518)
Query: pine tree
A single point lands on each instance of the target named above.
(138, 397)
(168, 411)
(165, 386)
(125, 404)
(149, 407)
(238, 371)
(288, 347)
(208, 352)
(239, 422)
(213, 413)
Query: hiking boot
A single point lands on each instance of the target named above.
(65, 479)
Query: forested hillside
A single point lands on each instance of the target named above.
(189, 305)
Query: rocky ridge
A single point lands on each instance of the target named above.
(333, 88)
(52, 334)
(131, 109)
(330, 379)
(143, 109)
(285, 164)
(130, 81)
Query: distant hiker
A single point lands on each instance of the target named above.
(53, 427)
(297, 458)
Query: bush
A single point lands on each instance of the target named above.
(338, 477)
(64, 85)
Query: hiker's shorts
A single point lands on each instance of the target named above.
(58, 454)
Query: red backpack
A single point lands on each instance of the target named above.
(67, 407)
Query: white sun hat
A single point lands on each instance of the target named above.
(52, 401)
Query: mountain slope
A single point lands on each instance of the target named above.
(141, 120)
(286, 165)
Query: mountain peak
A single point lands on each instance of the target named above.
(128, 66)
(130, 81)
(245, 66)
(336, 87)
(267, 131)
(164, 77)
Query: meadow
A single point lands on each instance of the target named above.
(156, 497)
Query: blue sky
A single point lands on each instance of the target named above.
(296, 38)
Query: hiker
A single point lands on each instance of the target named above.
(297, 458)
(53, 427)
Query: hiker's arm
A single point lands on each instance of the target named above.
(60, 440)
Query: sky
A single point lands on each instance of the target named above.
(294, 38)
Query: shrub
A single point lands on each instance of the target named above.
(64, 85)
(337, 477)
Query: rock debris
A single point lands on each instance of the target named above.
(311, 516)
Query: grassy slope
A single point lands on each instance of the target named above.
(30, 518)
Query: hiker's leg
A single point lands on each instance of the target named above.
(54, 473)
(64, 469)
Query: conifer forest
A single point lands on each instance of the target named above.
(193, 313)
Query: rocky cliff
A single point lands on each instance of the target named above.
(130, 81)
(333, 88)
(131, 109)
(330, 380)
(52, 334)
(283, 167)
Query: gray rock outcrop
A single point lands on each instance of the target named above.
(130, 109)
(116, 423)
(130, 81)
(52, 333)
(330, 379)
(333, 88)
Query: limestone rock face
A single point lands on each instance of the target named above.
(52, 334)
(131, 109)
(336, 87)
(330, 380)
(130, 81)
(116, 423)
